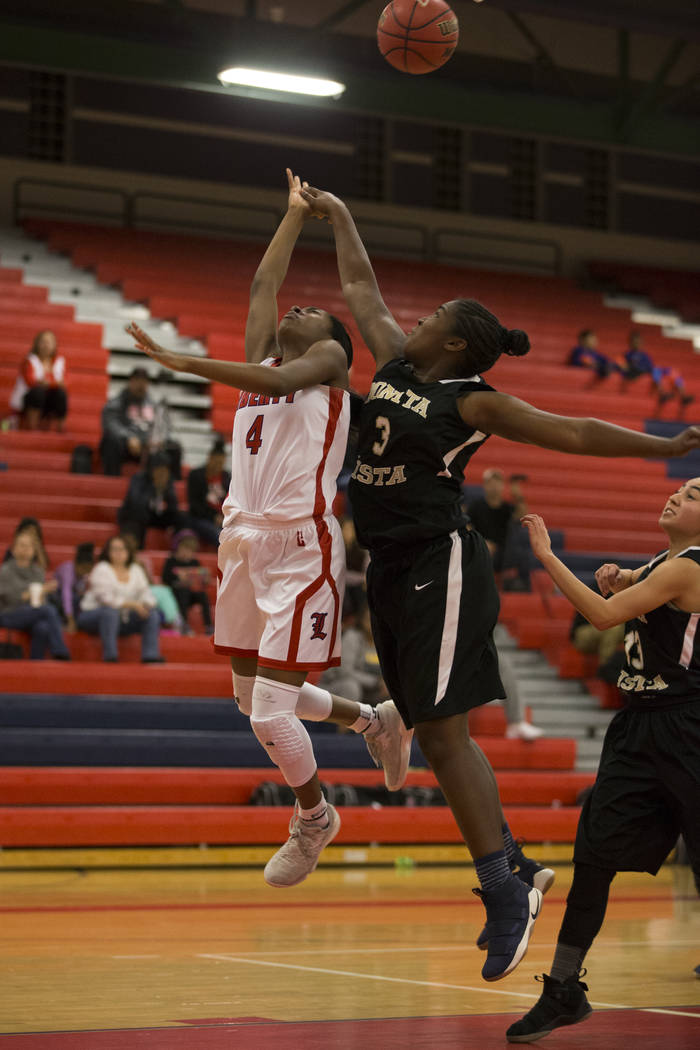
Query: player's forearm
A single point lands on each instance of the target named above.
(591, 605)
(258, 379)
(598, 438)
(354, 266)
(275, 262)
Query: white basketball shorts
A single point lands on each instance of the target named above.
(280, 592)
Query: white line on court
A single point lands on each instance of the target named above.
(427, 984)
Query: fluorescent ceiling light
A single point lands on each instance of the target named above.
(260, 78)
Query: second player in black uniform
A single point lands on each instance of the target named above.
(430, 584)
(647, 790)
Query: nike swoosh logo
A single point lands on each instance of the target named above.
(422, 585)
(534, 914)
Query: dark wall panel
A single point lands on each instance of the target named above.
(656, 217)
(564, 205)
(659, 171)
(490, 195)
(412, 184)
(203, 157)
(13, 133)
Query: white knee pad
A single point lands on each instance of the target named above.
(314, 704)
(243, 693)
(280, 732)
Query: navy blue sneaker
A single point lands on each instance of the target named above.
(696, 971)
(561, 1003)
(511, 910)
(532, 874)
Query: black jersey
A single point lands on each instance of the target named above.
(662, 649)
(413, 448)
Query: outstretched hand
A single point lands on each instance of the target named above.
(296, 202)
(685, 442)
(322, 204)
(166, 358)
(539, 537)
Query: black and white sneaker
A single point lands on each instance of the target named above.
(529, 872)
(511, 911)
(561, 1003)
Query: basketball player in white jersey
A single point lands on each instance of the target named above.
(281, 553)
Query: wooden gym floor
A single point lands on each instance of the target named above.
(356, 957)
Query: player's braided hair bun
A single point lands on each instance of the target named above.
(485, 336)
(515, 342)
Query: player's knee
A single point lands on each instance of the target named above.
(243, 693)
(288, 745)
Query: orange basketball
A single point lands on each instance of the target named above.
(417, 36)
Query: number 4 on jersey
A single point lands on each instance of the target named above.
(253, 439)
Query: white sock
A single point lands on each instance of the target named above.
(317, 813)
(367, 721)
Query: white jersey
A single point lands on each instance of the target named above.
(287, 453)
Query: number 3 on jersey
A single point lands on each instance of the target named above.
(253, 439)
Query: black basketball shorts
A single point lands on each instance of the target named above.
(433, 611)
(647, 791)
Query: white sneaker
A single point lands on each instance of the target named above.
(523, 731)
(299, 855)
(390, 748)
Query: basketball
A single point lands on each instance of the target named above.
(417, 36)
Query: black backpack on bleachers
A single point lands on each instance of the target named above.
(81, 460)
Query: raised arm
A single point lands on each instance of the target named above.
(261, 325)
(378, 327)
(509, 417)
(676, 580)
(323, 363)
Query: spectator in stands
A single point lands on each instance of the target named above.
(517, 727)
(118, 601)
(359, 676)
(207, 488)
(32, 526)
(666, 382)
(607, 646)
(188, 579)
(72, 579)
(587, 355)
(497, 518)
(150, 501)
(165, 599)
(39, 394)
(134, 426)
(23, 606)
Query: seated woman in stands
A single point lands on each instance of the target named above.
(39, 395)
(23, 606)
(32, 526)
(118, 601)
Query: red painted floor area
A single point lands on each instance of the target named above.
(604, 1030)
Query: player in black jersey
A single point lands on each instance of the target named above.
(647, 790)
(430, 582)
